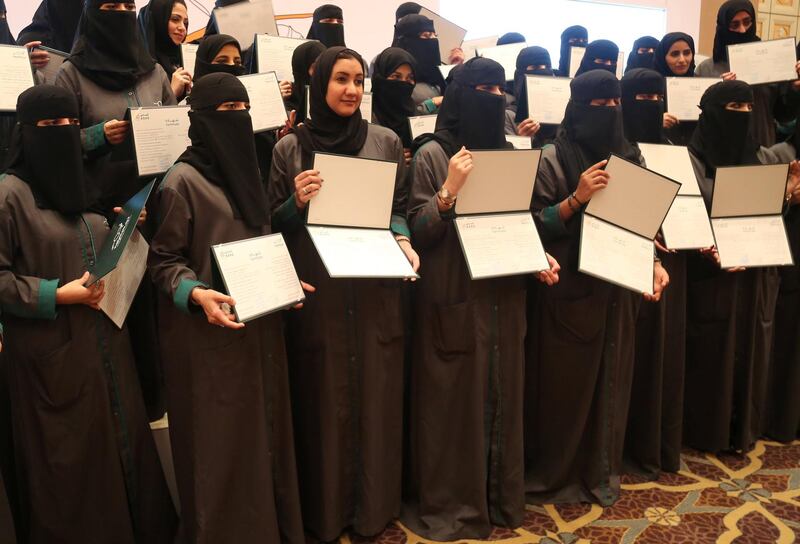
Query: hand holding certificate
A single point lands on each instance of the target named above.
(764, 62)
(547, 98)
(16, 75)
(450, 35)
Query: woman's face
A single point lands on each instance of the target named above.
(118, 6)
(402, 73)
(608, 102)
(345, 87)
(229, 54)
(491, 89)
(741, 22)
(178, 23)
(679, 58)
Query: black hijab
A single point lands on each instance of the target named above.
(208, 50)
(49, 159)
(5, 32)
(589, 134)
(599, 49)
(223, 149)
(571, 33)
(530, 56)
(643, 119)
(391, 100)
(154, 22)
(327, 130)
(329, 34)
(426, 52)
(55, 24)
(660, 61)
(406, 8)
(723, 137)
(469, 117)
(109, 49)
(724, 37)
(510, 37)
(303, 57)
(642, 60)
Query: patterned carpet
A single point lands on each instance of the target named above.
(742, 499)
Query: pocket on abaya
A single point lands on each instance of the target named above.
(580, 319)
(454, 329)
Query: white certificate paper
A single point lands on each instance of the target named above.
(366, 107)
(189, 56)
(16, 75)
(547, 98)
(275, 55)
(576, 56)
(160, 136)
(616, 255)
(122, 283)
(259, 275)
(674, 162)
(687, 225)
(470, 47)
(422, 124)
(684, 94)
(501, 245)
(445, 69)
(450, 34)
(764, 62)
(245, 20)
(752, 241)
(505, 55)
(266, 102)
(360, 253)
(520, 142)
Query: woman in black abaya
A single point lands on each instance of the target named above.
(164, 24)
(327, 26)
(674, 57)
(574, 36)
(417, 35)
(530, 61)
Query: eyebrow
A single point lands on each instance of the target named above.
(348, 74)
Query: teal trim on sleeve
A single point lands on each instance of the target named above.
(429, 106)
(400, 226)
(287, 217)
(95, 137)
(182, 293)
(551, 222)
(46, 305)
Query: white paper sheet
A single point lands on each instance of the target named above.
(764, 62)
(50, 71)
(576, 56)
(259, 275)
(360, 253)
(674, 162)
(266, 102)
(160, 136)
(616, 255)
(684, 94)
(368, 85)
(470, 47)
(752, 241)
(422, 124)
(547, 98)
(501, 245)
(366, 107)
(16, 75)
(687, 225)
(123, 282)
(245, 20)
(445, 69)
(450, 34)
(505, 55)
(500, 181)
(275, 55)
(520, 142)
(189, 56)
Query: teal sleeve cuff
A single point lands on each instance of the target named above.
(182, 293)
(429, 106)
(552, 224)
(95, 138)
(287, 217)
(46, 305)
(400, 226)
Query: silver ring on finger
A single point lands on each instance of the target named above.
(305, 190)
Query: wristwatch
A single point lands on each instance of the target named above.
(447, 198)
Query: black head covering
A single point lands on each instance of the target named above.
(223, 148)
(724, 37)
(599, 49)
(304, 56)
(530, 56)
(589, 134)
(406, 8)
(469, 117)
(660, 63)
(5, 32)
(55, 24)
(208, 50)
(511, 37)
(570, 33)
(154, 22)
(391, 100)
(329, 34)
(327, 130)
(643, 119)
(642, 60)
(49, 159)
(109, 49)
(724, 137)
(426, 52)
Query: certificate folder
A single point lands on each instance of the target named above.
(620, 223)
(349, 219)
(547, 98)
(450, 34)
(494, 225)
(245, 20)
(764, 62)
(189, 56)
(274, 54)
(16, 75)
(160, 135)
(422, 124)
(267, 109)
(684, 94)
(259, 275)
(746, 216)
(505, 56)
(57, 58)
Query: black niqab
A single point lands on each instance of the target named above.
(327, 130)
(208, 50)
(643, 119)
(725, 37)
(406, 8)
(599, 50)
(724, 137)
(660, 61)
(223, 149)
(55, 24)
(425, 51)
(109, 49)
(330, 34)
(530, 56)
(303, 57)
(154, 23)
(510, 37)
(392, 104)
(642, 60)
(49, 159)
(571, 33)
(5, 32)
